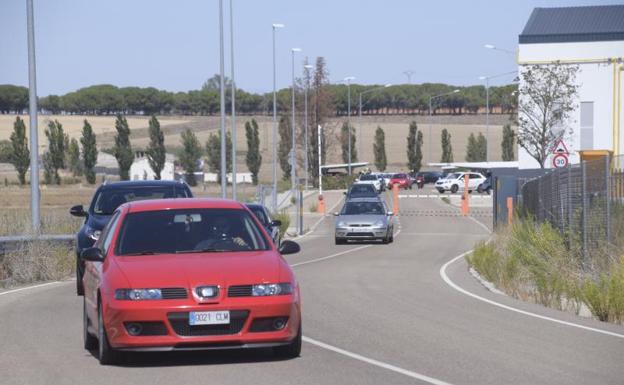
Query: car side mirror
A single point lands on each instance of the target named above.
(390, 213)
(93, 254)
(344, 193)
(289, 247)
(78, 211)
(276, 223)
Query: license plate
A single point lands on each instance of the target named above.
(360, 230)
(209, 317)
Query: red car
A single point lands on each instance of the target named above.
(402, 179)
(188, 274)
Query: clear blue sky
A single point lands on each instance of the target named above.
(174, 44)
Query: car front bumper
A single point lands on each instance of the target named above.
(354, 233)
(179, 335)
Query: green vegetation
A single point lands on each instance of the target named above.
(284, 146)
(532, 261)
(156, 150)
(89, 152)
(338, 182)
(507, 145)
(379, 149)
(190, 155)
(253, 159)
(73, 158)
(476, 149)
(36, 262)
(345, 132)
(447, 148)
(284, 218)
(414, 148)
(19, 155)
(123, 149)
(13, 99)
(213, 150)
(54, 158)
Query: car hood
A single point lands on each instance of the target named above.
(190, 270)
(360, 219)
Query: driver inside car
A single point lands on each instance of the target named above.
(223, 230)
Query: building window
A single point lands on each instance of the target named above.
(587, 126)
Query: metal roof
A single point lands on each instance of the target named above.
(574, 24)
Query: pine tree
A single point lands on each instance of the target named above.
(73, 157)
(89, 152)
(57, 145)
(191, 154)
(447, 148)
(379, 149)
(285, 144)
(344, 141)
(507, 144)
(213, 150)
(156, 151)
(253, 158)
(20, 156)
(123, 149)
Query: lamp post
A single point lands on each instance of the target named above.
(234, 176)
(274, 194)
(222, 97)
(348, 80)
(409, 74)
(360, 112)
(307, 67)
(430, 110)
(32, 110)
(293, 146)
(487, 110)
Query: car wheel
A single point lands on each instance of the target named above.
(106, 354)
(292, 350)
(340, 241)
(454, 188)
(441, 190)
(480, 189)
(79, 287)
(392, 236)
(90, 342)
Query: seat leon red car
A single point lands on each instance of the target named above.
(188, 274)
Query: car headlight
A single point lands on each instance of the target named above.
(137, 294)
(92, 233)
(379, 224)
(268, 289)
(342, 224)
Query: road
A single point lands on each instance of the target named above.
(372, 314)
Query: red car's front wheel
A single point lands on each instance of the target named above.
(106, 354)
(293, 349)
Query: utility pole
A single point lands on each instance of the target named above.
(234, 177)
(274, 192)
(32, 109)
(222, 86)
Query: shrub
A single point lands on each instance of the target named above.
(313, 207)
(285, 219)
(37, 261)
(338, 182)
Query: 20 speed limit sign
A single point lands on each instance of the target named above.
(560, 160)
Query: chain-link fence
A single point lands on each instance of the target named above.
(584, 201)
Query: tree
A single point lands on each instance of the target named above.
(6, 151)
(123, 149)
(285, 144)
(344, 142)
(481, 148)
(419, 154)
(447, 148)
(507, 145)
(379, 149)
(471, 148)
(321, 108)
(19, 155)
(73, 157)
(414, 148)
(156, 151)
(546, 102)
(213, 149)
(253, 158)
(190, 156)
(89, 152)
(48, 168)
(57, 145)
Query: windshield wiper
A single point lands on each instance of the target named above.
(206, 250)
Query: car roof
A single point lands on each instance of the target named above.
(364, 199)
(141, 183)
(181, 203)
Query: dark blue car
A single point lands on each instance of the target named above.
(272, 226)
(107, 198)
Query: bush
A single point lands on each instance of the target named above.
(285, 219)
(313, 207)
(35, 262)
(605, 297)
(338, 182)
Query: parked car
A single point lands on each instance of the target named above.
(400, 179)
(188, 274)
(364, 219)
(455, 182)
(361, 191)
(106, 199)
(385, 177)
(372, 180)
(271, 226)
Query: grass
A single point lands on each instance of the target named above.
(532, 261)
(54, 221)
(36, 262)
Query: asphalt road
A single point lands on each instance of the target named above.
(372, 314)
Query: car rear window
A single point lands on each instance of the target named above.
(106, 201)
(188, 231)
(368, 177)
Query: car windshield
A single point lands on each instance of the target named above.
(363, 208)
(106, 201)
(189, 231)
(362, 190)
(453, 176)
(399, 176)
(368, 177)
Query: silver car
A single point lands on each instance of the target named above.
(364, 219)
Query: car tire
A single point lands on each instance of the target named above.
(340, 241)
(454, 188)
(89, 340)
(79, 286)
(392, 236)
(106, 354)
(292, 350)
(440, 190)
(480, 189)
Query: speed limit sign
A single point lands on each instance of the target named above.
(560, 160)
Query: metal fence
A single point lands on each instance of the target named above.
(584, 201)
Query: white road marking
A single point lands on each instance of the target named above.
(374, 362)
(330, 256)
(318, 222)
(527, 313)
(30, 287)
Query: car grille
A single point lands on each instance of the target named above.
(359, 225)
(239, 291)
(360, 235)
(174, 293)
(180, 324)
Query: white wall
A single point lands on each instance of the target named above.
(141, 168)
(595, 82)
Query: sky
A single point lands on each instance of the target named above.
(174, 44)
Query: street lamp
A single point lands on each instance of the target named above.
(307, 67)
(348, 80)
(32, 110)
(222, 97)
(360, 112)
(409, 74)
(487, 110)
(234, 177)
(293, 146)
(430, 101)
(274, 195)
